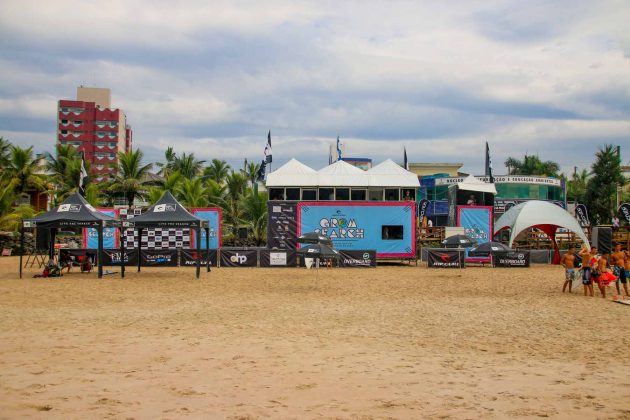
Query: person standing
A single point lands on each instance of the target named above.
(618, 265)
(603, 274)
(568, 262)
(615, 223)
(588, 259)
(471, 201)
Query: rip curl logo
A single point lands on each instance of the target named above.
(445, 258)
(340, 228)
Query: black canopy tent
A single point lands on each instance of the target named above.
(169, 213)
(74, 212)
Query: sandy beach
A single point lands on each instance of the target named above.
(391, 342)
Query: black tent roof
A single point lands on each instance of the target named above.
(167, 212)
(73, 212)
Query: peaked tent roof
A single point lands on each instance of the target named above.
(167, 212)
(342, 174)
(73, 212)
(470, 183)
(390, 174)
(292, 174)
(539, 214)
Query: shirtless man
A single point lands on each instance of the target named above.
(588, 259)
(602, 279)
(618, 265)
(568, 262)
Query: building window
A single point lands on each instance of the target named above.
(326, 194)
(392, 232)
(376, 195)
(276, 193)
(342, 194)
(293, 194)
(64, 132)
(309, 195)
(392, 194)
(358, 194)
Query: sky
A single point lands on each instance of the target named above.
(437, 78)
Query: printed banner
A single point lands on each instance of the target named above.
(581, 214)
(164, 258)
(213, 216)
(388, 227)
(188, 258)
(445, 258)
(112, 257)
(511, 259)
(110, 239)
(624, 209)
(358, 258)
(477, 224)
(278, 258)
(239, 257)
(281, 225)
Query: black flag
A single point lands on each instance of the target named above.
(581, 214)
(625, 210)
(82, 176)
(488, 164)
(405, 163)
(268, 153)
(261, 171)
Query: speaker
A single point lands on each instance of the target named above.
(42, 239)
(601, 237)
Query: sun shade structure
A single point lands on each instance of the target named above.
(342, 174)
(470, 183)
(541, 215)
(389, 173)
(292, 174)
(74, 212)
(169, 213)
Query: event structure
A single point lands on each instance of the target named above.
(73, 213)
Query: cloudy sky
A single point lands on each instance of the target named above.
(439, 78)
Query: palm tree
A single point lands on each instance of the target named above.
(5, 152)
(188, 166)
(10, 215)
(167, 167)
(254, 215)
(191, 193)
(25, 169)
(251, 172)
(131, 176)
(217, 171)
(236, 183)
(532, 165)
(65, 170)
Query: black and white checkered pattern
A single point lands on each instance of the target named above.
(157, 238)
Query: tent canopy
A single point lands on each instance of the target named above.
(167, 212)
(542, 215)
(292, 174)
(470, 183)
(389, 173)
(74, 212)
(342, 174)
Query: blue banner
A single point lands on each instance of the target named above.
(109, 234)
(477, 223)
(213, 217)
(389, 228)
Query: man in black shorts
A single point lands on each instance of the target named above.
(618, 265)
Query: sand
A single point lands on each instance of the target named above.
(390, 342)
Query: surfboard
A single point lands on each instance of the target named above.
(577, 279)
(625, 302)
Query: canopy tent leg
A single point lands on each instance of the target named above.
(207, 250)
(21, 245)
(51, 244)
(100, 251)
(139, 248)
(122, 254)
(198, 232)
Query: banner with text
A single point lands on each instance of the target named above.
(213, 216)
(112, 257)
(511, 259)
(281, 225)
(445, 258)
(164, 258)
(188, 258)
(110, 240)
(238, 257)
(358, 258)
(278, 258)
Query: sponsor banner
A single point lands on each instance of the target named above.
(423, 206)
(503, 205)
(188, 258)
(358, 258)
(511, 259)
(281, 225)
(477, 224)
(110, 239)
(509, 179)
(278, 258)
(164, 258)
(581, 214)
(445, 258)
(624, 209)
(388, 227)
(238, 257)
(213, 216)
(113, 257)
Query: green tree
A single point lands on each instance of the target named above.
(24, 168)
(601, 188)
(251, 172)
(254, 215)
(188, 166)
(532, 165)
(191, 193)
(5, 152)
(10, 215)
(131, 176)
(217, 171)
(168, 166)
(576, 186)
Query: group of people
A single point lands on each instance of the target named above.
(594, 268)
(67, 261)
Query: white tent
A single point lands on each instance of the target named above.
(292, 174)
(342, 174)
(470, 183)
(390, 174)
(542, 215)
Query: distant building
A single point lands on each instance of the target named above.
(93, 127)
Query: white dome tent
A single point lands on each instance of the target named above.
(541, 215)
